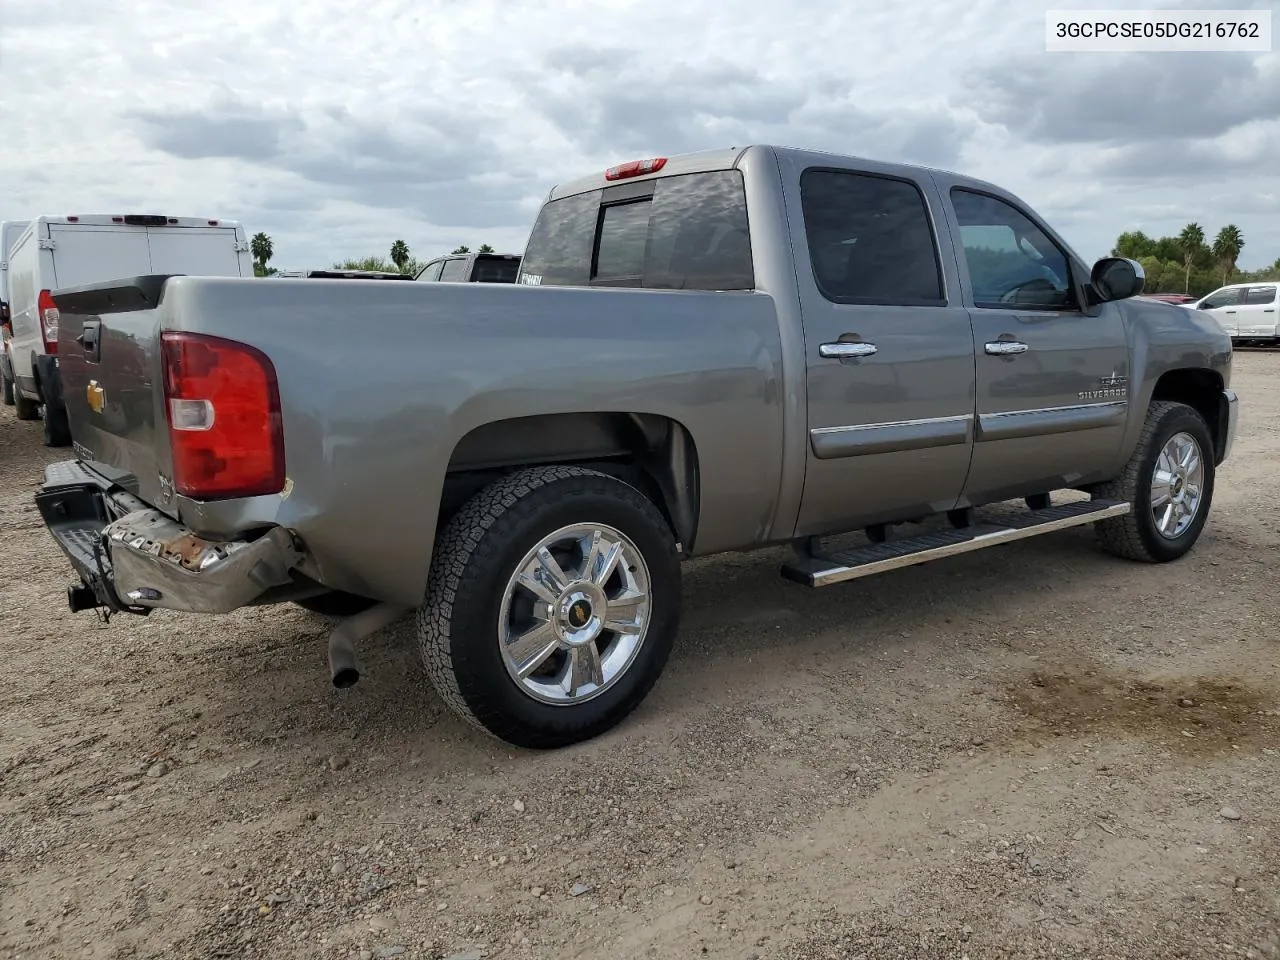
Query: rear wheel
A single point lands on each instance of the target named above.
(27, 409)
(552, 606)
(1168, 482)
(57, 430)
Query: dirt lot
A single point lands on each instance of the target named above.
(1036, 751)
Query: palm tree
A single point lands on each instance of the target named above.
(462, 249)
(1191, 240)
(1226, 249)
(400, 254)
(485, 248)
(263, 250)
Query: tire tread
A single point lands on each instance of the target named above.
(1120, 536)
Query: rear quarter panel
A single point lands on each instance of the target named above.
(369, 433)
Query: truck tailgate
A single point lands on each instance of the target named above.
(110, 365)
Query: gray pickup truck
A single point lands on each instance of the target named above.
(705, 353)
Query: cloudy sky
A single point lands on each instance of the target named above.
(338, 127)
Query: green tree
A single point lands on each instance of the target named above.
(1226, 249)
(263, 250)
(485, 248)
(400, 255)
(1135, 245)
(1191, 240)
(461, 249)
(379, 264)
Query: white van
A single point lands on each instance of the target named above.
(57, 252)
(1249, 312)
(9, 231)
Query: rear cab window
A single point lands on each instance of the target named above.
(685, 232)
(495, 269)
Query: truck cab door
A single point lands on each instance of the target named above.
(1052, 381)
(1257, 311)
(1224, 306)
(888, 345)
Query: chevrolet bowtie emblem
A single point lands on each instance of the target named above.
(96, 396)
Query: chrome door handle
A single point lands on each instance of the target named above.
(1006, 348)
(846, 351)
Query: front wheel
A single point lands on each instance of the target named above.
(1168, 482)
(552, 605)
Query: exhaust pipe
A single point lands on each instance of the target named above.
(342, 641)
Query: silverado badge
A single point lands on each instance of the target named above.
(96, 396)
(1112, 387)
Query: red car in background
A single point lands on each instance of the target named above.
(1172, 297)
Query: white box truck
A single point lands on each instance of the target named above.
(59, 252)
(9, 231)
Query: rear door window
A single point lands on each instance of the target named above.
(687, 232)
(454, 270)
(1255, 296)
(870, 239)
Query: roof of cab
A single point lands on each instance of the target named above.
(728, 158)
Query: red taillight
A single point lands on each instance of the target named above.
(636, 168)
(223, 407)
(49, 317)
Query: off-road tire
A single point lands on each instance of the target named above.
(335, 603)
(475, 556)
(1134, 536)
(27, 409)
(7, 388)
(57, 429)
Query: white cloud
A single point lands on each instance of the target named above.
(339, 128)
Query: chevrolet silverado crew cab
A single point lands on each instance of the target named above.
(53, 252)
(876, 364)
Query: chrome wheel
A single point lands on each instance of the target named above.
(1177, 485)
(574, 614)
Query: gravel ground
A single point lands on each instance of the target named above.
(1035, 751)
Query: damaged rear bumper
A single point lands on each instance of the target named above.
(131, 557)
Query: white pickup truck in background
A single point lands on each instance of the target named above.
(54, 252)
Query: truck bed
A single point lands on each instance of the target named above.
(380, 383)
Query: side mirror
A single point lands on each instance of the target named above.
(1117, 278)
